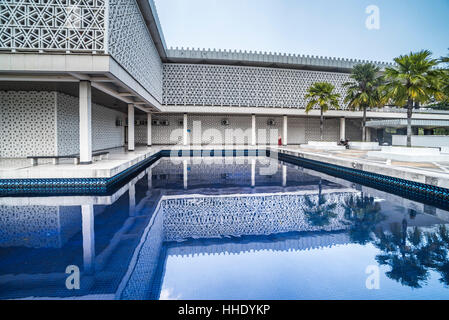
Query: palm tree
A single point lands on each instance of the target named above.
(323, 95)
(411, 82)
(363, 91)
(444, 97)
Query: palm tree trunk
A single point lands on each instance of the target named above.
(364, 125)
(409, 122)
(321, 125)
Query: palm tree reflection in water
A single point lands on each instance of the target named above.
(363, 214)
(320, 213)
(410, 254)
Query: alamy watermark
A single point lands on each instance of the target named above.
(72, 282)
(372, 22)
(373, 280)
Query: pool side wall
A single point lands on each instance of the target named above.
(429, 193)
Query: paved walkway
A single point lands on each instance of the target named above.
(120, 159)
(438, 167)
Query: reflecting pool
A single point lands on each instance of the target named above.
(224, 228)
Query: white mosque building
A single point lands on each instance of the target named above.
(85, 76)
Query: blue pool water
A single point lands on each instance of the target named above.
(225, 228)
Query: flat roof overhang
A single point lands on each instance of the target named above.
(273, 112)
(105, 74)
(402, 123)
(266, 60)
(149, 14)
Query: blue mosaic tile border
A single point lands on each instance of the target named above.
(420, 191)
(416, 190)
(70, 186)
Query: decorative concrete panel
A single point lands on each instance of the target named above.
(296, 130)
(31, 124)
(167, 135)
(53, 25)
(27, 123)
(221, 85)
(105, 133)
(140, 131)
(269, 134)
(67, 124)
(130, 43)
(331, 129)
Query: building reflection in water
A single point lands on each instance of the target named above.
(122, 240)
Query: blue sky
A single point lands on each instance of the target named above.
(333, 28)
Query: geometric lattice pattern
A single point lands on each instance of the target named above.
(60, 25)
(38, 226)
(220, 85)
(331, 129)
(130, 43)
(244, 215)
(105, 134)
(30, 124)
(27, 123)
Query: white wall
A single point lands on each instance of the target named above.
(422, 141)
(300, 130)
(296, 130)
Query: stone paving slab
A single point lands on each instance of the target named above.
(417, 172)
(119, 160)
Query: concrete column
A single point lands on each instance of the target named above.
(87, 216)
(285, 127)
(253, 130)
(85, 105)
(131, 141)
(150, 178)
(185, 136)
(368, 134)
(342, 128)
(132, 198)
(185, 174)
(284, 175)
(253, 173)
(149, 120)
